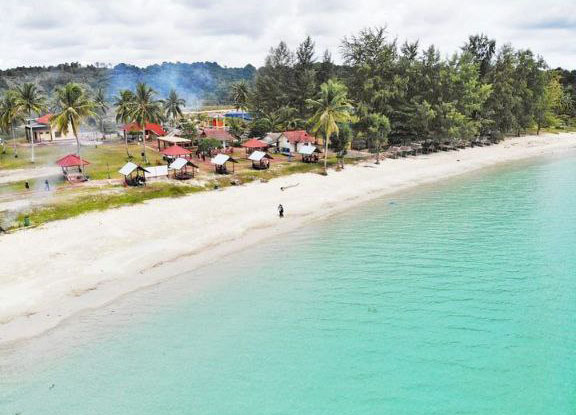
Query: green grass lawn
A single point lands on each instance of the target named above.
(105, 160)
(102, 201)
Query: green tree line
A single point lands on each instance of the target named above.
(404, 92)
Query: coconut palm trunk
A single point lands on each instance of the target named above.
(14, 140)
(126, 142)
(32, 158)
(325, 155)
(144, 143)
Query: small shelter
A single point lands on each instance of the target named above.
(134, 175)
(309, 154)
(176, 151)
(219, 161)
(170, 140)
(180, 169)
(260, 160)
(70, 161)
(255, 144)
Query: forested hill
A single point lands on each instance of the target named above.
(199, 83)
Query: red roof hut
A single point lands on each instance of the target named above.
(176, 151)
(70, 161)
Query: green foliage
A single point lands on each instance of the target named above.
(339, 143)
(239, 92)
(144, 109)
(173, 106)
(331, 109)
(86, 204)
(73, 106)
(208, 144)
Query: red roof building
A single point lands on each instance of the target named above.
(217, 134)
(45, 119)
(255, 143)
(71, 160)
(175, 151)
(155, 129)
(299, 136)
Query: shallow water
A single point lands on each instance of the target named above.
(453, 299)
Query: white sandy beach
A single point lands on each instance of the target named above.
(52, 272)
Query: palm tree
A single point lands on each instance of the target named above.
(145, 109)
(239, 92)
(123, 103)
(330, 108)
(101, 108)
(271, 122)
(173, 106)
(73, 107)
(30, 101)
(10, 114)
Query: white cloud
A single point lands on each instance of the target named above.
(235, 33)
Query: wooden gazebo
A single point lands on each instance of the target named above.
(260, 160)
(134, 175)
(309, 154)
(180, 169)
(176, 151)
(69, 162)
(219, 161)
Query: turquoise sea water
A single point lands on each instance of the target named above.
(453, 299)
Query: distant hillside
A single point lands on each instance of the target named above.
(199, 83)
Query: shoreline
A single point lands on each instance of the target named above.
(60, 269)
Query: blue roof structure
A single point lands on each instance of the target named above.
(239, 114)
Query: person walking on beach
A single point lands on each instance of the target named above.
(281, 211)
(46, 185)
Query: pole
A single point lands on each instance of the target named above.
(32, 158)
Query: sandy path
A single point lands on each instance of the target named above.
(17, 175)
(52, 272)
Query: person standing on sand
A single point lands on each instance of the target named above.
(46, 185)
(281, 211)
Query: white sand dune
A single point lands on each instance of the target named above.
(49, 273)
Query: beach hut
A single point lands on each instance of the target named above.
(72, 161)
(134, 175)
(260, 160)
(219, 161)
(254, 144)
(176, 151)
(170, 140)
(309, 154)
(179, 167)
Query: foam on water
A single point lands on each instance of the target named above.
(454, 299)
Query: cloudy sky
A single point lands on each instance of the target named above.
(238, 32)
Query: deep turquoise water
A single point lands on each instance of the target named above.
(452, 299)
